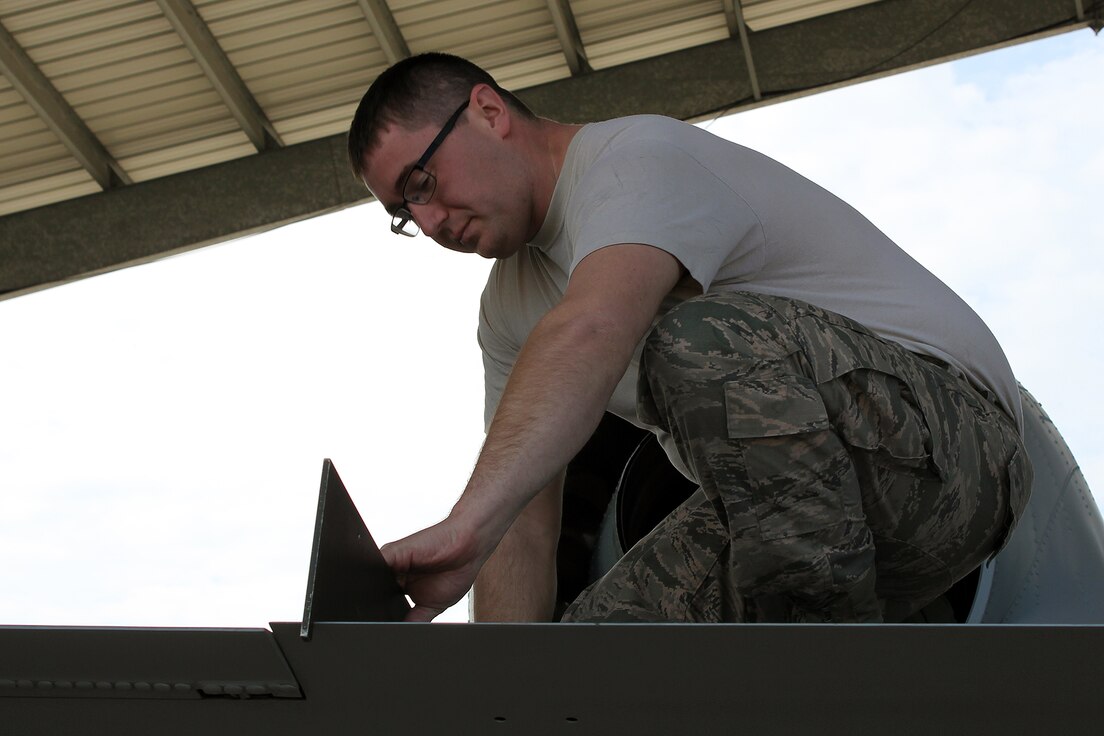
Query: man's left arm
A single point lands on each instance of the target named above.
(554, 399)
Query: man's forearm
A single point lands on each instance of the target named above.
(554, 399)
(559, 387)
(518, 583)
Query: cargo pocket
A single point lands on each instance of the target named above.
(878, 412)
(880, 398)
(794, 465)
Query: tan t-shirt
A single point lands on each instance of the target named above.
(737, 220)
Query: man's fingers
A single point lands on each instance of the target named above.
(422, 614)
(398, 556)
(388, 552)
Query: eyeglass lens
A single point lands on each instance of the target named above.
(403, 223)
(419, 186)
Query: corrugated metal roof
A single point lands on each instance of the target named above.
(127, 74)
(118, 94)
(621, 32)
(763, 14)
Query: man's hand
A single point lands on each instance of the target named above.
(436, 566)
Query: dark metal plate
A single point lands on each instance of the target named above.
(349, 579)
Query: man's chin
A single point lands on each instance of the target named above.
(494, 249)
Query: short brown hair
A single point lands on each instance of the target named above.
(417, 91)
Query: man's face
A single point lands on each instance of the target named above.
(479, 204)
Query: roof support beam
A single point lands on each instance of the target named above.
(385, 29)
(197, 37)
(734, 15)
(1080, 9)
(568, 33)
(41, 95)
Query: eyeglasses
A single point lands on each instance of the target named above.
(420, 184)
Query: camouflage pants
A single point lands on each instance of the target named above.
(842, 478)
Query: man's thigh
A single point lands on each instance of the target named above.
(929, 454)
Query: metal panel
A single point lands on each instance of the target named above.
(128, 76)
(333, 121)
(762, 14)
(189, 156)
(38, 155)
(515, 40)
(583, 679)
(48, 190)
(72, 22)
(115, 61)
(136, 664)
(625, 31)
(193, 31)
(39, 92)
(298, 58)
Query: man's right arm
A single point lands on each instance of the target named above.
(518, 582)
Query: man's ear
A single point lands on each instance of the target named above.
(491, 110)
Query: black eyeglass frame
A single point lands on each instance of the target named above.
(402, 215)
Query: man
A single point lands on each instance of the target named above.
(851, 423)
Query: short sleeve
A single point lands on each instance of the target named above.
(654, 192)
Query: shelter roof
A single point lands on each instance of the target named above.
(132, 129)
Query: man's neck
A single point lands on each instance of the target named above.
(550, 141)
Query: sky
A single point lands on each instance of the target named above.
(162, 428)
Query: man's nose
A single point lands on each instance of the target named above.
(429, 216)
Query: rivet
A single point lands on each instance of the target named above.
(123, 686)
(44, 685)
(103, 685)
(233, 689)
(142, 686)
(84, 685)
(24, 684)
(181, 687)
(161, 687)
(63, 684)
(6, 684)
(256, 689)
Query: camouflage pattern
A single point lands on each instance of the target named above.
(842, 478)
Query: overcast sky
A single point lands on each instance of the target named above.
(162, 428)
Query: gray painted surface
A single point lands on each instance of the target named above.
(606, 679)
(103, 232)
(1052, 569)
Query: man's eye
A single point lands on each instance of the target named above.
(419, 187)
